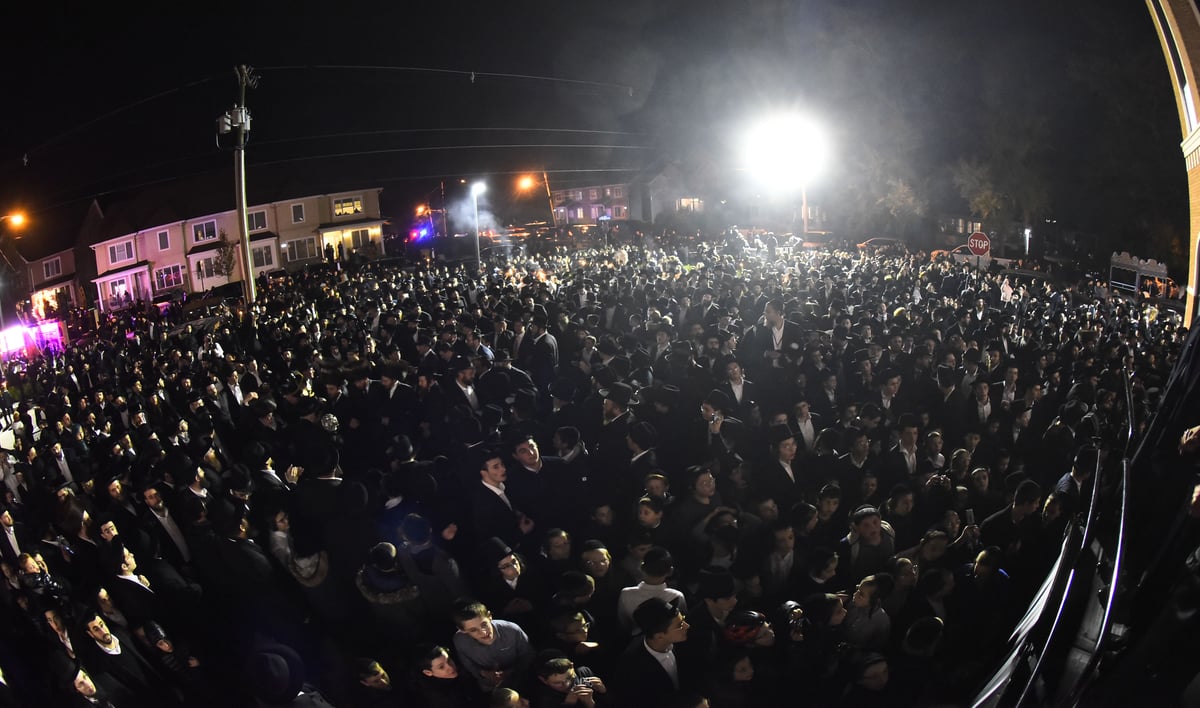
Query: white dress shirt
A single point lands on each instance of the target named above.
(666, 659)
(498, 490)
(174, 532)
(469, 392)
(11, 535)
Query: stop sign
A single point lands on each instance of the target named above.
(979, 243)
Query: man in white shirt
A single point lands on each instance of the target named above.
(806, 430)
(657, 567)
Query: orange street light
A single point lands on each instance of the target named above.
(526, 183)
(421, 209)
(17, 219)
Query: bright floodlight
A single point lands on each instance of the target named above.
(526, 183)
(478, 188)
(785, 151)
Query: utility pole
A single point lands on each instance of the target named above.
(550, 198)
(237, 121)
(445, 227)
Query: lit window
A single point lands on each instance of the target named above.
(119, 289)
(297, 213)
(206, 268)
(206, 231)
(257, 220)
(299, 250)
(347, 206)
(359, 238)
(168, 277)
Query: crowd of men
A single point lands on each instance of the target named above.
(636, 476)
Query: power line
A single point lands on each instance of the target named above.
(329, 67)
(434, 148)
(362, 153)
(203, 155)
(406, 178)
(400, 131)
(116, 111)
(472, 75)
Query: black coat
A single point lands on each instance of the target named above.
(139, 604)
(771, 480)
(543, 361)
(640, 681)
(24, 540)
(490, 516)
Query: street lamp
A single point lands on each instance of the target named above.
(526, 183)
(15, 220)
(477, 189)
(785, 151)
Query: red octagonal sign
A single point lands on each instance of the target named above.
(979, 243)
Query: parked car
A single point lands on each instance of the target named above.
(211, 298)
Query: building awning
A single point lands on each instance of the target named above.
(262, 236)
(343, 225)
(54, 282)
(207, 247)
(140, 265)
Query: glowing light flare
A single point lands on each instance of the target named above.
(421, 210)
(21, 340)
(12, 339)
(478, 188)
(785, 151)
(17, 219)
(526, 183)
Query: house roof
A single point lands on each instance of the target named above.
(204, 195)
(262, 235)
(347, 224)
(207, 247)
(88, 222)
(127, 269)
(64, 278)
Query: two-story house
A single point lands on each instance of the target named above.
(43, 262)
(587, 205)
(52, 283)
(342, 223)
(652, 192)
(186, 252)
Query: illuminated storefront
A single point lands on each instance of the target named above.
(50, 302)
(23, 341)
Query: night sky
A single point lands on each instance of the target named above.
(103, 99)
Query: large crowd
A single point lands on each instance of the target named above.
(637, 475)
